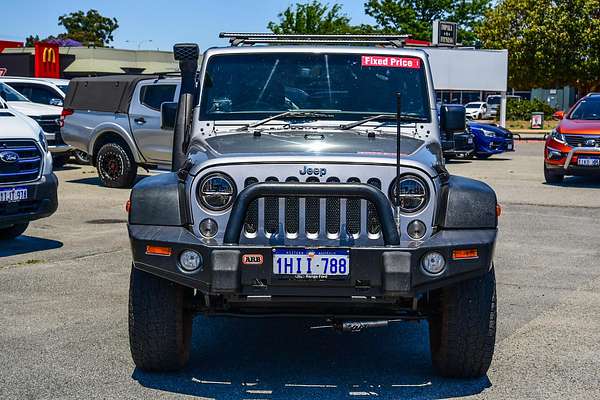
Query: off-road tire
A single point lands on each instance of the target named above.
(116, 166)
(160, 323)
(552, 177)
(462, 331)
(59, 161)
(13, 231)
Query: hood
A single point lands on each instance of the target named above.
(583, 127)
(498, 130)
(313, 143)
(16, 126)
(34, 109)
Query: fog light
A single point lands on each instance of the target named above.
(190, 261)
(416, 229)
(208, 228)
(433, 263)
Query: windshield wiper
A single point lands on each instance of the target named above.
(291, 113)
(388, 116)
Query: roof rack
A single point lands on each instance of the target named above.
(249, 39)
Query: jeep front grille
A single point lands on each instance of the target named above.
(313, 218)
(28, 165)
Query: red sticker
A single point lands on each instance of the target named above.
(252, 259)
(391, 62)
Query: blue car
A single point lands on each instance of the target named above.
(490, 139)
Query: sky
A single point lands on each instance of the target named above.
(151, 24)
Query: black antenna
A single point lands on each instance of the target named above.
(398, 132)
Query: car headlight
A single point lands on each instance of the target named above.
(488, 133)
(413, 195)
(216, 192)
(556, 135)
(43, 141)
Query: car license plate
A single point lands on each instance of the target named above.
(588, 162)
(13, 195)
(311, 263)
(509, 146)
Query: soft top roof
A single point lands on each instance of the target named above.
(111, 93)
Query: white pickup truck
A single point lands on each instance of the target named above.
(116, 120)
(27, 184)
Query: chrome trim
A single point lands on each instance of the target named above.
(579, 150)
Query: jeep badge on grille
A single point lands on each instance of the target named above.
(313, 171)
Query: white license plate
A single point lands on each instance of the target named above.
(509, 146)
(588, 162)
(13, 195)
(311, 263)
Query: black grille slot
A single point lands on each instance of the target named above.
(312, 211)
(27, 165)
(292, 211)
(373, 224)
(271, 211)
(580, 141)
(251, 222)
(332, 211)
(353, 212)
(49, 123)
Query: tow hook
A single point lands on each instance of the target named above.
(355, 326)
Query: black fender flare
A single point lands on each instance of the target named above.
(159, 200)
(467, 204)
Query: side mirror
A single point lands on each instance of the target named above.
(558, 115)
(168, 113)
(452, 118)
(56, 102)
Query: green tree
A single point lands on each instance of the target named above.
(311, 18)
(550, 43)
(31, 40)
(415, 17)
(88, 28)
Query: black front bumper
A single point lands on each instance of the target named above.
(42, 202)
(374, 271)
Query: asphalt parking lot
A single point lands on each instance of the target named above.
(63, 320)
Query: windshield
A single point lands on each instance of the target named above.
(588, 109)
(10, 94)
(493, 100)
(347, 86)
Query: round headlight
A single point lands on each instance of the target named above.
(414, 194)
(433, 263)
(190, 261)
(216, 192)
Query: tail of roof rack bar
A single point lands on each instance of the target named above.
(249, 39)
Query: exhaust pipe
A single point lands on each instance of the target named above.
(187, 54)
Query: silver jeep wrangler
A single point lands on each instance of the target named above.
(308, 181)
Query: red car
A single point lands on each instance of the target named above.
(573, 148)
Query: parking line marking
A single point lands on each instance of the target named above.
(210, 382)
(303, 385)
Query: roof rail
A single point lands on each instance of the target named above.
(249, 39)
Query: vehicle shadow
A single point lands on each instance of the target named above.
(283, 359)
(27, 244)
(585, 182)
(459, 161)
(95, 181)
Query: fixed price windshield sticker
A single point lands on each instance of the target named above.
(391, 62)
